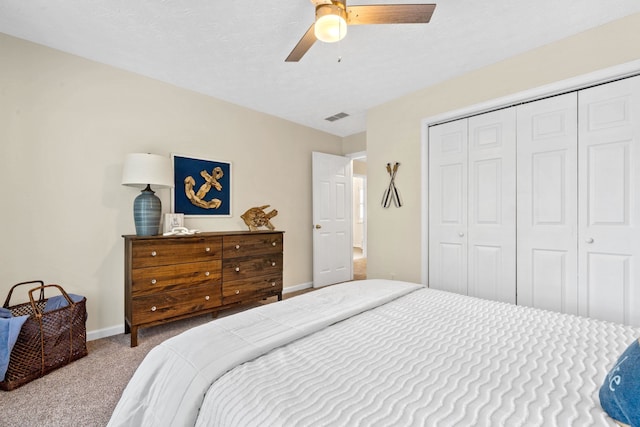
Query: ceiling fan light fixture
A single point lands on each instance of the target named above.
(332, 16)
(331, 23)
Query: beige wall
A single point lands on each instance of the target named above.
(65, 126)
(355, 143)
(359, 167)
(394, 235)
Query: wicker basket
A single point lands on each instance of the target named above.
(47, 340)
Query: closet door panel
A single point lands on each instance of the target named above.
(607, 286)
(448, 207)
(492, 201)
(609, 218)
(549, 283)
(485, 270)
(547, 204)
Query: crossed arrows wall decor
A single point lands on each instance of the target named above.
(391, 194)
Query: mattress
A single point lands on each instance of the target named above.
(376, 353)
(429, 358)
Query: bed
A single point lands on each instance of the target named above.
(383, 353)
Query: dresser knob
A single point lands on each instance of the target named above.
(273, 243)
(153, 308)
(273, 264)
(206, 298)
(153, 281)
(207, 249)
(237, 268)
(206, 273)
(273, 284)
(154, 253)
(237, 292)
(237, 246)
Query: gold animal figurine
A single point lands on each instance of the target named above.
(257, 217)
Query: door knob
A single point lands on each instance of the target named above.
(318, 226)
(589, 240)
(461, 234)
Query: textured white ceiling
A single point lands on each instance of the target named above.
(234, 50)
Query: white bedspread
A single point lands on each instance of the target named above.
(170, 384)
(429, 358)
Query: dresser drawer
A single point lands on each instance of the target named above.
(156, 252)
(250, 245)
(159, 306)
(150, 280)
(239, 290)
(242, 268)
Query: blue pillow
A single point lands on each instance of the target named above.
(620, 393)
(9, 331)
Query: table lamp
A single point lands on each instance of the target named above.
(142, 170)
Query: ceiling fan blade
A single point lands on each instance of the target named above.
(303, 45)
(390, 14)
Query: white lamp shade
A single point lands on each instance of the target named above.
(331, 25)
(141, 169)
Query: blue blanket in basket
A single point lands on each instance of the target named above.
(60, 301)
(9, 330)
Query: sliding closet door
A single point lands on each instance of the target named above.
(609, 199)
(448, 207)
(492, 206)
(547, 204)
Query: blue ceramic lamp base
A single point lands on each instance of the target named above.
(147, 210)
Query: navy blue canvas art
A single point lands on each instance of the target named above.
(202, 187)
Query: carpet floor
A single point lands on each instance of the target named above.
(359, 268)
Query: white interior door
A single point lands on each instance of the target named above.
(448, 206)
(332, 223)
(609, 201)
(547, 203)
(492, 206)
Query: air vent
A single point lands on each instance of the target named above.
(336, 117)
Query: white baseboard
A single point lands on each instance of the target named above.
(297, 288)
(106, 332)
(116, 330)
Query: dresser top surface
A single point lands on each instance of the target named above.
(203, 234)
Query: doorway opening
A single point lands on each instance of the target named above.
(359, 233)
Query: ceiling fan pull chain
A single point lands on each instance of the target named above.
(339, 46)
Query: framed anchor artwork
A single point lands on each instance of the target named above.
(202, 187)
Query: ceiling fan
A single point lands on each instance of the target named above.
(333, 16)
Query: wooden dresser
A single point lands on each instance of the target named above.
(175, 277)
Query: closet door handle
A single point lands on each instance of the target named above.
(589, 240)
(461, 234)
